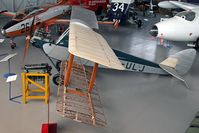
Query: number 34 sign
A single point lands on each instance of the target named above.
(119, 7)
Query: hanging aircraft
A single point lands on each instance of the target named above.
(175, 65)
(25, 21)
(182, 27)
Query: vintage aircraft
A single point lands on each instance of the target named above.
(34, 17)
(182, 27)
(175, 65)
(122, 11)
(25, 21)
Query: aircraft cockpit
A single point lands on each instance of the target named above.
(187, 15)
(27, 12)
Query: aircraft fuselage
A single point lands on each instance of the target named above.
(18, 27)
(130, 62)
(182, 27)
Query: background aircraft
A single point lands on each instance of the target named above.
(123, 10)
(175, 65)
(182, 27)
(24, 22)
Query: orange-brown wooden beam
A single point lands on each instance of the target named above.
(92, 79)
(68, 71)
(106, 22)
(71, 91)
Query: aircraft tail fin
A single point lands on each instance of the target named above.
(179, 63)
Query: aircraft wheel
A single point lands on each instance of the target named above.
(139, 23)
(57, 65)
(56, 79)
(197, 44)
(13, 46)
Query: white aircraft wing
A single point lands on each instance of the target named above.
(184, 5)
(6, 13)
(84, 16)
(81, 15)
(87, 44)
(178, 4)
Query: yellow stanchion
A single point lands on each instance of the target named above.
(41, 91)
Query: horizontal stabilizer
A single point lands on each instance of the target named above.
(173, 73)
(179, 63)
(84, 16)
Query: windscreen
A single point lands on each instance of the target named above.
(28, 11)
(187, 15)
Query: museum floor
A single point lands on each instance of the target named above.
(133, 102)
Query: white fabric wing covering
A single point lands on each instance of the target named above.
(84, 16)
(87, 44)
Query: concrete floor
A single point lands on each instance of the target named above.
(133, 102)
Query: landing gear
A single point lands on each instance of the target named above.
(57, 80)
(139, 23)
(194, 44)
(133, 18)
(57, 65)
(12, 44)
(197, 44)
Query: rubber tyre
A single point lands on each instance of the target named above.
(139, 23)
(56, 79)
(13, 46)
(197, 44)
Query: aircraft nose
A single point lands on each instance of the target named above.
(3, 32)
(8, 25)
(154, 31)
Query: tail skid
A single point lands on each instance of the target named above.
(179, 63)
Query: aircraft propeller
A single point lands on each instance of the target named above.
(28, 37)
